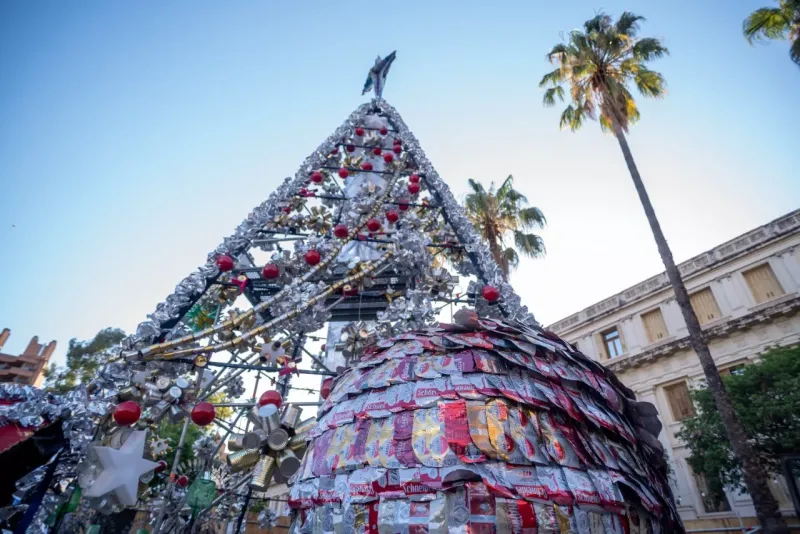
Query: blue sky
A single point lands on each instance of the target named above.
(135, 136)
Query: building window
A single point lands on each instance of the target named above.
(734, 370)
(705, 306)
(763, 284)
(654, 325)
(680, 402)
(714, 499)
(612, 343)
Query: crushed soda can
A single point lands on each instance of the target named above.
(524, 430)
(552, 478)
(429, 439)
(515, 516)
(610, 496)
(556, 444)
(582, 488)
(478, 429)
(526, 483)
(393, 516)
(482, 511)
(457, 432)
(497, 422)
(465, 389)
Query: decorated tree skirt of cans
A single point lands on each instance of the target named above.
(480, 427)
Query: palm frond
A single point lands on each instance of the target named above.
(551, 94)
(477, 187)
(506, 187)
(532, 218)
(566, 117)
(628, 24)
(605, 123)
(648, 49)
(554, 77)
(794, 51)
(529, 244)
(650, 83)
(557, 53)
(767, 22)
(511, 257)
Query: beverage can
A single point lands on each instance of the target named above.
(393, 516)
(487, 362)
(484, 387)
(373, 446)
(525, 434)
(557, 446)
(482, 509)
(610, 496)
(478, 430)
(500, 432)
(552, 478)
(582, 488)
(457, 432)
(526, 483)
(465, 389)
(546, 518)
(425, 368)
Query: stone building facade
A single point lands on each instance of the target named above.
(746, 294)
(27, 368)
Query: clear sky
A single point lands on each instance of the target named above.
(134, 136)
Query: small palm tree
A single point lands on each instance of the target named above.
(598, 65)
(498, 215)
(779, 23)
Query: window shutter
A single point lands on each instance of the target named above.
(654, 325)
(763, 284)
(705, 306)
(680, 402)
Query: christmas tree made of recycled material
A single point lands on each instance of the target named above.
(488, 425)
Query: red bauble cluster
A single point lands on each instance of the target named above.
(351, 148)
(343, 173)
(203, 413)
(126, 413)
(388, 157)
(413, 188)
(397, 142)
(359, 132)
(182, 481)
(271, 397)
(397, 149)
(326, 387)
(414, 178)
(384, 130)
(341, 231)
(161, 465)
(270, 271)
(402, 205)
(490, 293)
(225, 263)
(317, 177)
(313, 257)
(367, 166)
(377, 151)
(373, 225)
(392, 216)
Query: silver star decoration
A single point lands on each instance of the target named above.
(121, 470)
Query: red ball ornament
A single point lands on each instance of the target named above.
(270, 271)
(126, 413)
(376, 151)
(367, 166)
(413, 188)
(490, 293)
(225, 263)
(271, 397)
(373, 225)
(203, 413)
(397, 149)
(326, 387)
(317, 177)
(384, 130)
(182, 481)
(161, 465)
(397, 141)
(343, 173)
(414, 178)
(341, 231)
(388, 157)
(351, 148)
(403, 205)
(392, 216)
(359, 131)
(313, 257)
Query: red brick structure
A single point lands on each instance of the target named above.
(27, 368)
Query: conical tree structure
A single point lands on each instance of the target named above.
(486, 425)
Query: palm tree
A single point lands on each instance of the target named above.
(598, 65)
(498, 215)
(776, 23)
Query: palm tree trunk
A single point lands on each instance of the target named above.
(754, 475)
